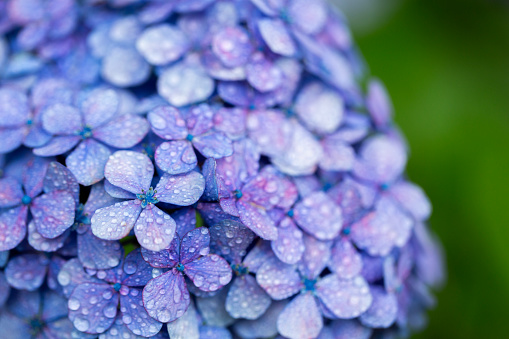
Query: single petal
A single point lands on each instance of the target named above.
(33, 176)
(12, 138)
(209, 273)
(116, 221)
(210, 332)
(99, 198)
(72, 275)
(168, 123)
(262, 74)
(232, 46)
(131, 171)
(123, 132)
(99, 107)
(289, 245)
(138, 271)
(346, 299)
(4, 290)
(278, 279)
(14, 110)
(166, 297)
(271, 131)
(185, 327)
(412, 198)
(154, 229)
(217, 70)
(10, 192)
(318, 215)
(53, 213)
(57, 145)
(383, 311)
(134, 315)
(213, 311)
(378, 103)
(315, 257)
(230, 239)
(162, 44)
(58, 177)
(185, 219)
(12, 227)
(301, 318)
(98, 254)
(213, 145)
(258, 255)
(337, 155)
(263, 327)
(246, 299)
(199, 119)
(257, 220)
(350, 329)
(93, 307)
(40, 243)
(54, 306)
(87, 162)
(231, 121)
(308, 17)
(123, 66)
(194, 244)
(277, 37)
(176, 157)
(345, 261)
(118, 330)
(181, 190)
(166, 258)
(61, 119)
(115, 192)
(27, 271)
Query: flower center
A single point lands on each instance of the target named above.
(240, 269)
(26, 200)
(238, 194)
(29, 122)
(180, 267)
(117, 287)
(290, 213)
(189, 137)
(148, 197)
(346, 231)
(384, 186)
(85, 133)
(36, 324)
(309, 285)
(81, 217)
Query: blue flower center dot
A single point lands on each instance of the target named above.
(86, 132)
(309, 285)
(36, 324)
(148, 197)
(180, 267)
(29, 122)
(290, 213)
(346, 231)
(26, 200)
(239, 269)
(117, 287)
(384, 187)
(238, 194)
(189, 137)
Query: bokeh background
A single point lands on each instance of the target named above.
(446, 66)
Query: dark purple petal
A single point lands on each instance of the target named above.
(40, 243)
(97, 254)
(134, 315)
(58, 177)
(99, 107)
(185, 219)
(337, 155)
(166, 258)
(210, 332)
(4, 290)
(209, 273)
(61, 119)
(162, 44)
(301, 318)
(181, 190)
(57, 145)
(154, 228)
(93, 307)
(123, 66)
(289, 246)
(33, 176)
(246, 299)
(131, 171)
(115, 192)
(116, 221)
(176, 157)
(278, 279)
(123, 132)
(412, 198)
(232, 46)
(138, 270)
(168, 123)
(383, 311)
(346, 299)
(213, 145)
(99, 198)
(277, 37)
(166, 297)
(263, 327)
(27, 271)
(186, 326)
(230, 239)
(53, 213)
(10, 192)
(194, 244)
(315, 257)
(212, 309)
(262, 74)
(345, 261)
(378, 103)
(14, 110)
(350, 329)
(72, 274)
(257, 220)
(12, 138)
(12, 227)
(87, 162)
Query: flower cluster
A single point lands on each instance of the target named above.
(202, 169)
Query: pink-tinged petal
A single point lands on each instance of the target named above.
(166, 258)
(27, 271)
(33, 176)
(123, 66)
(246, 299)
(209, 273)
(230, 239)
(382, 160)
(10, 192)
(213, 145)
(187, 326)
(87, 162)
(185, 219)
(347, 196)
(257, 220)
(350, 329)
(53, 213)
(301, 318)
(277, 37)
(12, 227)
(131, 171)
(58, 177)
(14, 107)
(57, 145)
(383, 310)
(289, 246)
(98, 254)
(154, 229)
(378, 103)
(162, 44)
(89, 310)
(262, 74)
(123, 132)
(337, 155)
(346, 299)
(318, 215)
(217, 70)
(40, 243)
(12, 138)
(199, 119)
(382, 229)
(194, 244)
(232, 46)
(315, 257)
(168, 123)
(278, 279)
(166, 297)
(412, 198)
(99, 107)
(138, 271)
(115, 192)
(134, 315)
(99, 198)
(116, 221)
(270, 130)
(263, 327)
(181, 190)
(72, 274)
(176, 157)
(231, 121)
(345, 261)
(61, 119)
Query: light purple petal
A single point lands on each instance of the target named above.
(166, 258)
(276, 36)
(346, 299)
(124, 67)
(53, 213)
(87, 162)
(61, 119)
(14, 110)
(131, 171)
(33, 176)
(315, 257)
(258, 255)
(262, 74)
(98, 198)
(209, 273)
(263, 327)
(99, 107)
(162, 44)
(185, 219)
(350, 329)
(116, 221)
(412, 198)
(72, 274)
(309, 17)
(194, 244)
(166, 297)
(58, 177)
(216, 69)
(257, 220)
(345, 261)
(337, 155)
(378, 103)
(134, 315)
(168, 123)
(40, 243)
(232, 46)
(213, 145)
(98, 254)
(185, 327)
(301, 318)
(123, 132)
(10, 192)
(278, 279)
(176, 157)
(289, 246)
(231, 121)
(12, 138)
(230, 239)
(209, 332)
(57, 145)
(12, 227)
(27, 271)
(246, 299)
(154, 228)
(181, 190)
(212, 309)
(270, 130)
(115, 192)
(383, 311)
(93, 307)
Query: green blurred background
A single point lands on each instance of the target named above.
(446, 66)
